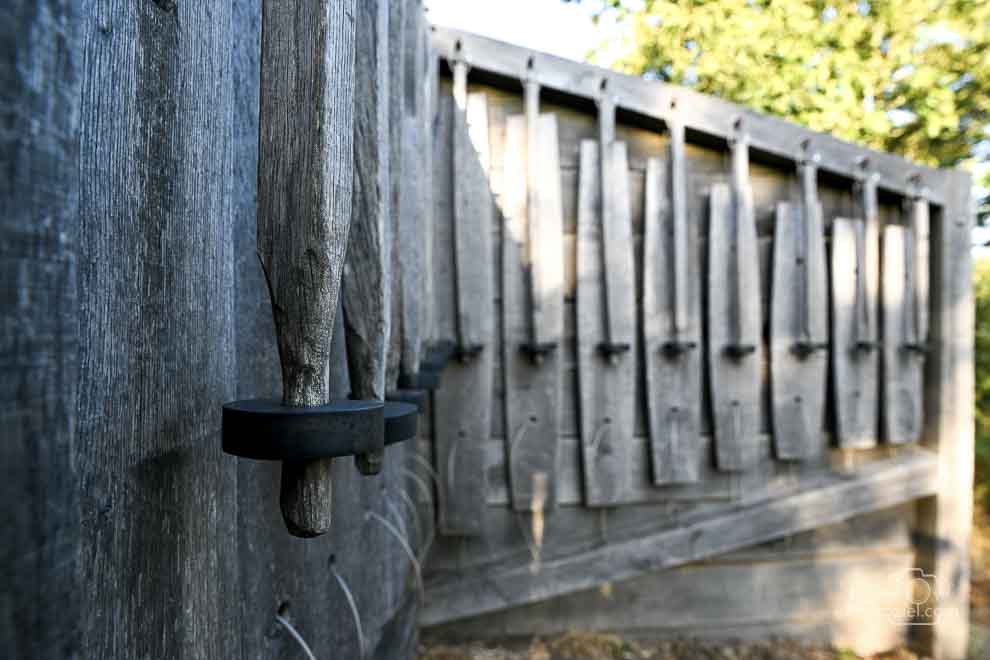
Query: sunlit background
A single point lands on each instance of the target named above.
(588, 31)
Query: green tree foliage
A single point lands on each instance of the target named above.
(906, 76)
(981, 292)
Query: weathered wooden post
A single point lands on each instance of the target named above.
(305, 184)
(304, 216)
(367, 279)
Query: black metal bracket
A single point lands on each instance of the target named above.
(740, 350)
(414, 397)
(265, 429)
(610, 350)
(866, 346)
(537, 352)
(803, 349)
(921, 348)
(468, 352)
(674, 348)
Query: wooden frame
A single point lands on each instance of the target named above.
(943, 479)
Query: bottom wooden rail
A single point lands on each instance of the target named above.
(835, 497)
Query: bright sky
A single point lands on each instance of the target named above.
(550, 26)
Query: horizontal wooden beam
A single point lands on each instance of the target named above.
(701, 113)
(837, 496)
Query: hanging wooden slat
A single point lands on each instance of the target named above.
(798, 327)
(462, 405)
(532, 374)
(606, 379)
(920, 264)
(901, 386)
(671, 320)
(616, 237)
(854, 363)
(733, 319)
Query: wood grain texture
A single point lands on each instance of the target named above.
(158, 555)
(462, 406)
(396, 111)
(305, 175)
(532, 391)
(672, 321)
(366, 281)
(830, 500)
(734, 345)
(854, 369)
(41, 598)
(606, 381)
(798, 317)
(945, 521)
(902, 367)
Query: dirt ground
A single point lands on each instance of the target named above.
(590, 646)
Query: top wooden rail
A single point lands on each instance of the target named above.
(701, 113)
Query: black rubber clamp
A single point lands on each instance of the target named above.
(265, 429)
(674, 348)
(740, 350)
(414, 397)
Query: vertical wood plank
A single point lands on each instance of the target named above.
(799, 363)
(606, 381)
(304, 211)
(616, 236)
(945, 521)
(671, 321)
(463, 403)
(396, 112)
(854, 365)
(902, 382)
(532, 391)
(41, 599)
(734, 350)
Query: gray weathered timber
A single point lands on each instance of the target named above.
(463, 404)
(427, 116)
(854, 366)
(798, 332)
(833, 498)
(305, 176)
(40, 600)
(366, 281)
(532, 392)
(412, 263)
(606, 380)
(672, 320)
(396, 111)
(734, 344)
(618, 293)
(705, 114)
(902, 365)
(946, 520)
(158, 555)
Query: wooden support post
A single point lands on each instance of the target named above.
(304, 211)
(367, 279)
(945, 521)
